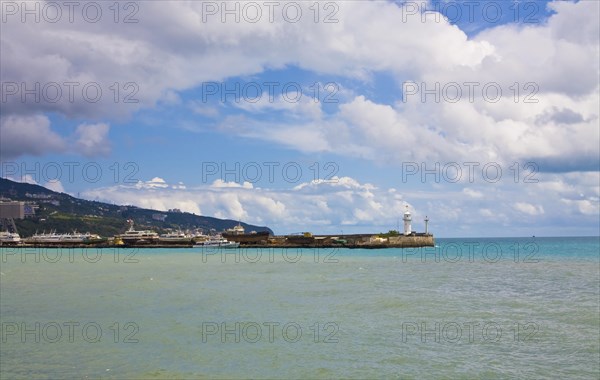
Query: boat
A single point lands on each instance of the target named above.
(236, 230)
(9, 238)
(175, 237)
(218, 242)
(68, 238)
(43, 238)
(77, 237)
(199, 237)
(239, 235)
(133, 236)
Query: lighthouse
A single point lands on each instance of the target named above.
(426, 223)
(407, 219)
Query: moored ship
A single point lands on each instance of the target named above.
(9, 238)
(176, 237)
(137, 237)
(68, 238)
(218, 242)
(238, 234)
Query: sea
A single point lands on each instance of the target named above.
(464, 309)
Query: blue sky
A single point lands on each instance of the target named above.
(486, 121)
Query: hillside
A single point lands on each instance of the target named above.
(61, 212)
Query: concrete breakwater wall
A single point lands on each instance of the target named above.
(369, 241)
(350, 241)
(375, 241)
(412, 241)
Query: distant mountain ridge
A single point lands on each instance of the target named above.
(62, 213)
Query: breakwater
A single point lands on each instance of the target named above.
(368, 241)
(350, 241)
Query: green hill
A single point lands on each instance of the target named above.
(62, 213)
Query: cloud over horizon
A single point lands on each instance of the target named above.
(345, 203)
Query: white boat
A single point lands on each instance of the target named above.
(77, 237)
(54, 238)
(42, 238)
(236, 230)
(200, 237)
(132, 235)
(176, 237)
(9, 238)
(218, 242)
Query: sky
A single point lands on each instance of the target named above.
(328, 117)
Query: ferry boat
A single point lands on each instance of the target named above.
(218, 242)
(133, 236)
(175, 237)
(76, 237)
(69, 238)
(236, 230)
(200, 237)
(239, 235)
(137, 236)
(9, 238)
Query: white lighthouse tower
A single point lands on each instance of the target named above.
(407, 219)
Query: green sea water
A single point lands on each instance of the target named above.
(468, 308)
